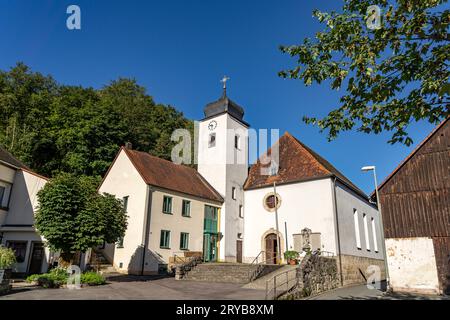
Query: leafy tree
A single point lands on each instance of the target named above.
(55, 128)
(73, 217)
(392, 75)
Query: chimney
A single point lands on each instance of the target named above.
(129, 145)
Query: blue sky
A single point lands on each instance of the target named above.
(179, 50)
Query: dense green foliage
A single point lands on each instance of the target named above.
(7, 257)
(55, 128)
(393, 75)
(73, 217)
(59, 276)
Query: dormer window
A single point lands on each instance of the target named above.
(212, 140)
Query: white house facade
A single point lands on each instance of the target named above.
(18, 197)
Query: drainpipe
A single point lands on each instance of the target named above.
(337, 231)
(146, 230)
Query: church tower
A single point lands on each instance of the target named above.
(223, 162)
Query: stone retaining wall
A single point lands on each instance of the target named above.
(355, 269)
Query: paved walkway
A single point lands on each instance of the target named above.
(361, 292)
(131, 289)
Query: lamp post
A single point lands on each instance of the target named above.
(372, 168)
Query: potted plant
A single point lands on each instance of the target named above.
(7, 259)
(291, 257)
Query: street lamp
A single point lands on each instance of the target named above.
(372, 168)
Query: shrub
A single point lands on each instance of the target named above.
(7, 257)
(290, 254)
(92, 278)
(59, 276)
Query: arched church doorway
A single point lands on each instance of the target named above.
(271, 246)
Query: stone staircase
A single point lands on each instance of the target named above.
(101, 264)
(226, 272)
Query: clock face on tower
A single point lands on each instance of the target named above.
(212, 125)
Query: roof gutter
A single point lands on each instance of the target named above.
(338, 236)
(146, 224)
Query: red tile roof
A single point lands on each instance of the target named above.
(168, 175)
(297, 163)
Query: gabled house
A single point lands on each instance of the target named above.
(18, 200)
(172, 211)
(415, 203)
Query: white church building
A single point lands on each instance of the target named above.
(226, 210)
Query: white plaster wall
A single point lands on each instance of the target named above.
(7, 174)
(176, 223)
(24, 201)
(124, 180)
(303, 205)
(412, 265)
(347, 202)
(28, 236)
(224, 167)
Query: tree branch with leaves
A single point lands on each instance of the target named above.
(392, 76)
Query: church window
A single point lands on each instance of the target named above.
(165, 239)
(167, 205)
(237, 142)
(233, 193)
(357, 233)
(271, 201)
(241, 211)
(186, 209)
(212, 140)
(184, 241)
(374, 234)
(366, 232)
(125, 203)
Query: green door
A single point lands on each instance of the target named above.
(210, 234)
(209, 247)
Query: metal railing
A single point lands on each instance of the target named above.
(281, 284)
(259, 262)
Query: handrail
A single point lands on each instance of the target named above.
(253, 274)
(281, 287)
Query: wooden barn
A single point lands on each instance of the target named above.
(415, 201)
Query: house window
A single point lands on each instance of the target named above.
(5, 190)
(374, 234)
(167, 205)
(237, 142)
(164, 241)
(239, 236)
(366, 232)
(210, 223)
(186, 208)
(357, 233)
(120, 243)
(20, 248)
(125, 203)
(184, 241)
(233, 193)
(212, 140)
(241, 211)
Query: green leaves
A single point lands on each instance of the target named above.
(55, 128)
(73, 217)
(393, 75)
